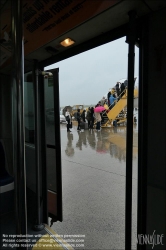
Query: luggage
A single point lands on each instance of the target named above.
(84, 125)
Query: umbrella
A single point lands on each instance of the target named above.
(99, 109)
(65, 109)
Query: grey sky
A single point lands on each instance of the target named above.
(85, 78)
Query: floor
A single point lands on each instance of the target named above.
(93, 174)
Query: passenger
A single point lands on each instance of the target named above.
(68, 120)
(108, 97)
(98, 104)
(126, 83)
(101, 103)
(88, 117)
(117, 89)
(98, 120)
(115, 95)
(122, 89)
(78, 119)
(83, 115)
(112, 101)
(92, 119)
(106, 101)
(103, 100)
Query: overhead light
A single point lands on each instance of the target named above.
(67, 42)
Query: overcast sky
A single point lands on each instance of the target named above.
(87, 77)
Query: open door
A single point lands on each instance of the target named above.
(53, 143)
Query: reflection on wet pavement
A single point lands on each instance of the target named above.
(109, 141)
(104, 150)
(93, 178)
(69, 148)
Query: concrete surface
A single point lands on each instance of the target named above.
(93, 175)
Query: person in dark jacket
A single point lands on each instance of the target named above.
(78, 119)
(92, 119)
(122, 89)
(117, 89)
(108, 97)
(83, 115)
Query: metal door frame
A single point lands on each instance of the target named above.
(18, 118)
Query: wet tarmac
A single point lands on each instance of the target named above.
(93, 176)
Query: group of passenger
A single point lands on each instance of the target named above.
(115, 94)
(90, 115)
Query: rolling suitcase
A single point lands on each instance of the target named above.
(84, 125)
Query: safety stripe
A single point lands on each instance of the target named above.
(55, 238)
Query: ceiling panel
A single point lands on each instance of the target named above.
(104, 17)
(100, 24)
(155, 5)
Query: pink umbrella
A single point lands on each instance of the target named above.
(99, 109)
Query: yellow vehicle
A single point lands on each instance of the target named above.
(74, 109)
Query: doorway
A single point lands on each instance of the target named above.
(93, 163)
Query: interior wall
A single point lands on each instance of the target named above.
(155, 60)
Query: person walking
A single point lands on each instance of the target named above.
(78, 120)
(122, 89)
(103, 101)
(117, 89)
(68, 120)
(112, 101)
(108, 97)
